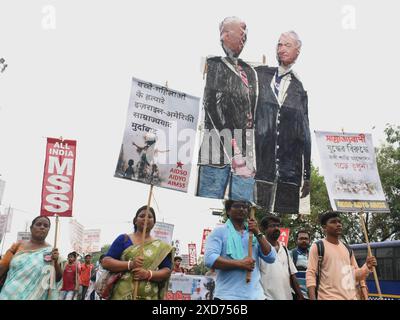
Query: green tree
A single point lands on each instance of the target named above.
(384, 226)
(96, 255)
(200, 268)
(319, 203)
(380, 226)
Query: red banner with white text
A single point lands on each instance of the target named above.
(284, 236)
(192, 254)
(206, 232)
(58, 178)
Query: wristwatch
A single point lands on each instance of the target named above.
(259, 235)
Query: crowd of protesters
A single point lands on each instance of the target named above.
(326, 270)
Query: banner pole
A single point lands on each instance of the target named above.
(250, 247)
(136, 283)
(56, 232)
(53, 270)
(378, 288)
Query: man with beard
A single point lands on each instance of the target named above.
(227, 252)
(300, 258)
(282, 133)
(226, 159)
(278, 279)
(335, 277)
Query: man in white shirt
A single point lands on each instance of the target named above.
(278, 279)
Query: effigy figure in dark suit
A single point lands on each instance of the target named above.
(282, 133)
(227, 156)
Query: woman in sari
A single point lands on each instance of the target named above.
(150, 267)
(30, 265)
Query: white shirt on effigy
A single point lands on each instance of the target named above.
(284, 85)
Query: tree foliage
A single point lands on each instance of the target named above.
(384, 226)
(380, 226)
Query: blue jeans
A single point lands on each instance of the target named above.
(213, 181)
(67, 295)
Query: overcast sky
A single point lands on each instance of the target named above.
(74, 81)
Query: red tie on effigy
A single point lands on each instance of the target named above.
(243, 76)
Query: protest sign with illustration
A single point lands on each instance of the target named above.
(159, 137)
(351, 174)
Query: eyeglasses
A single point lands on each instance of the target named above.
(274, 225)
(240, 206)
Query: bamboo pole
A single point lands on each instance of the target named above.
(56, 233)
(53, 271)
(250, 247)
(378, 288)
(136, 283)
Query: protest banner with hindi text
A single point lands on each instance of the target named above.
(350, 170)
(190, 287)
(91, 240)
(163, 231)
(159, 137)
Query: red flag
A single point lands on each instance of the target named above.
(192, 254)
(58, 178)
(284, 237)
(206, 232)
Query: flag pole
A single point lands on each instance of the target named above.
(136, 283)
(53, 271)
(250, 247)
(378, 288)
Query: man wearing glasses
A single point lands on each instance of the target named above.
(227, 252)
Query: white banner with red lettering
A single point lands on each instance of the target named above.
(58, 178)
(190, 287)
(163, 231)
(91, 240)
(351, 175)
(284, 236)
(206, 232)
(192, 254)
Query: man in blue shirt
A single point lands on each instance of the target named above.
(227, 252)
(300, 258)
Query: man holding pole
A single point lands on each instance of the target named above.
(332, 270)
(226, 251)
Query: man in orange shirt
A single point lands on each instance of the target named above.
(84, 275)
(339, 271)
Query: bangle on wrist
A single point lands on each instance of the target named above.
(260, 234)
(129, 265)
(150, 276)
